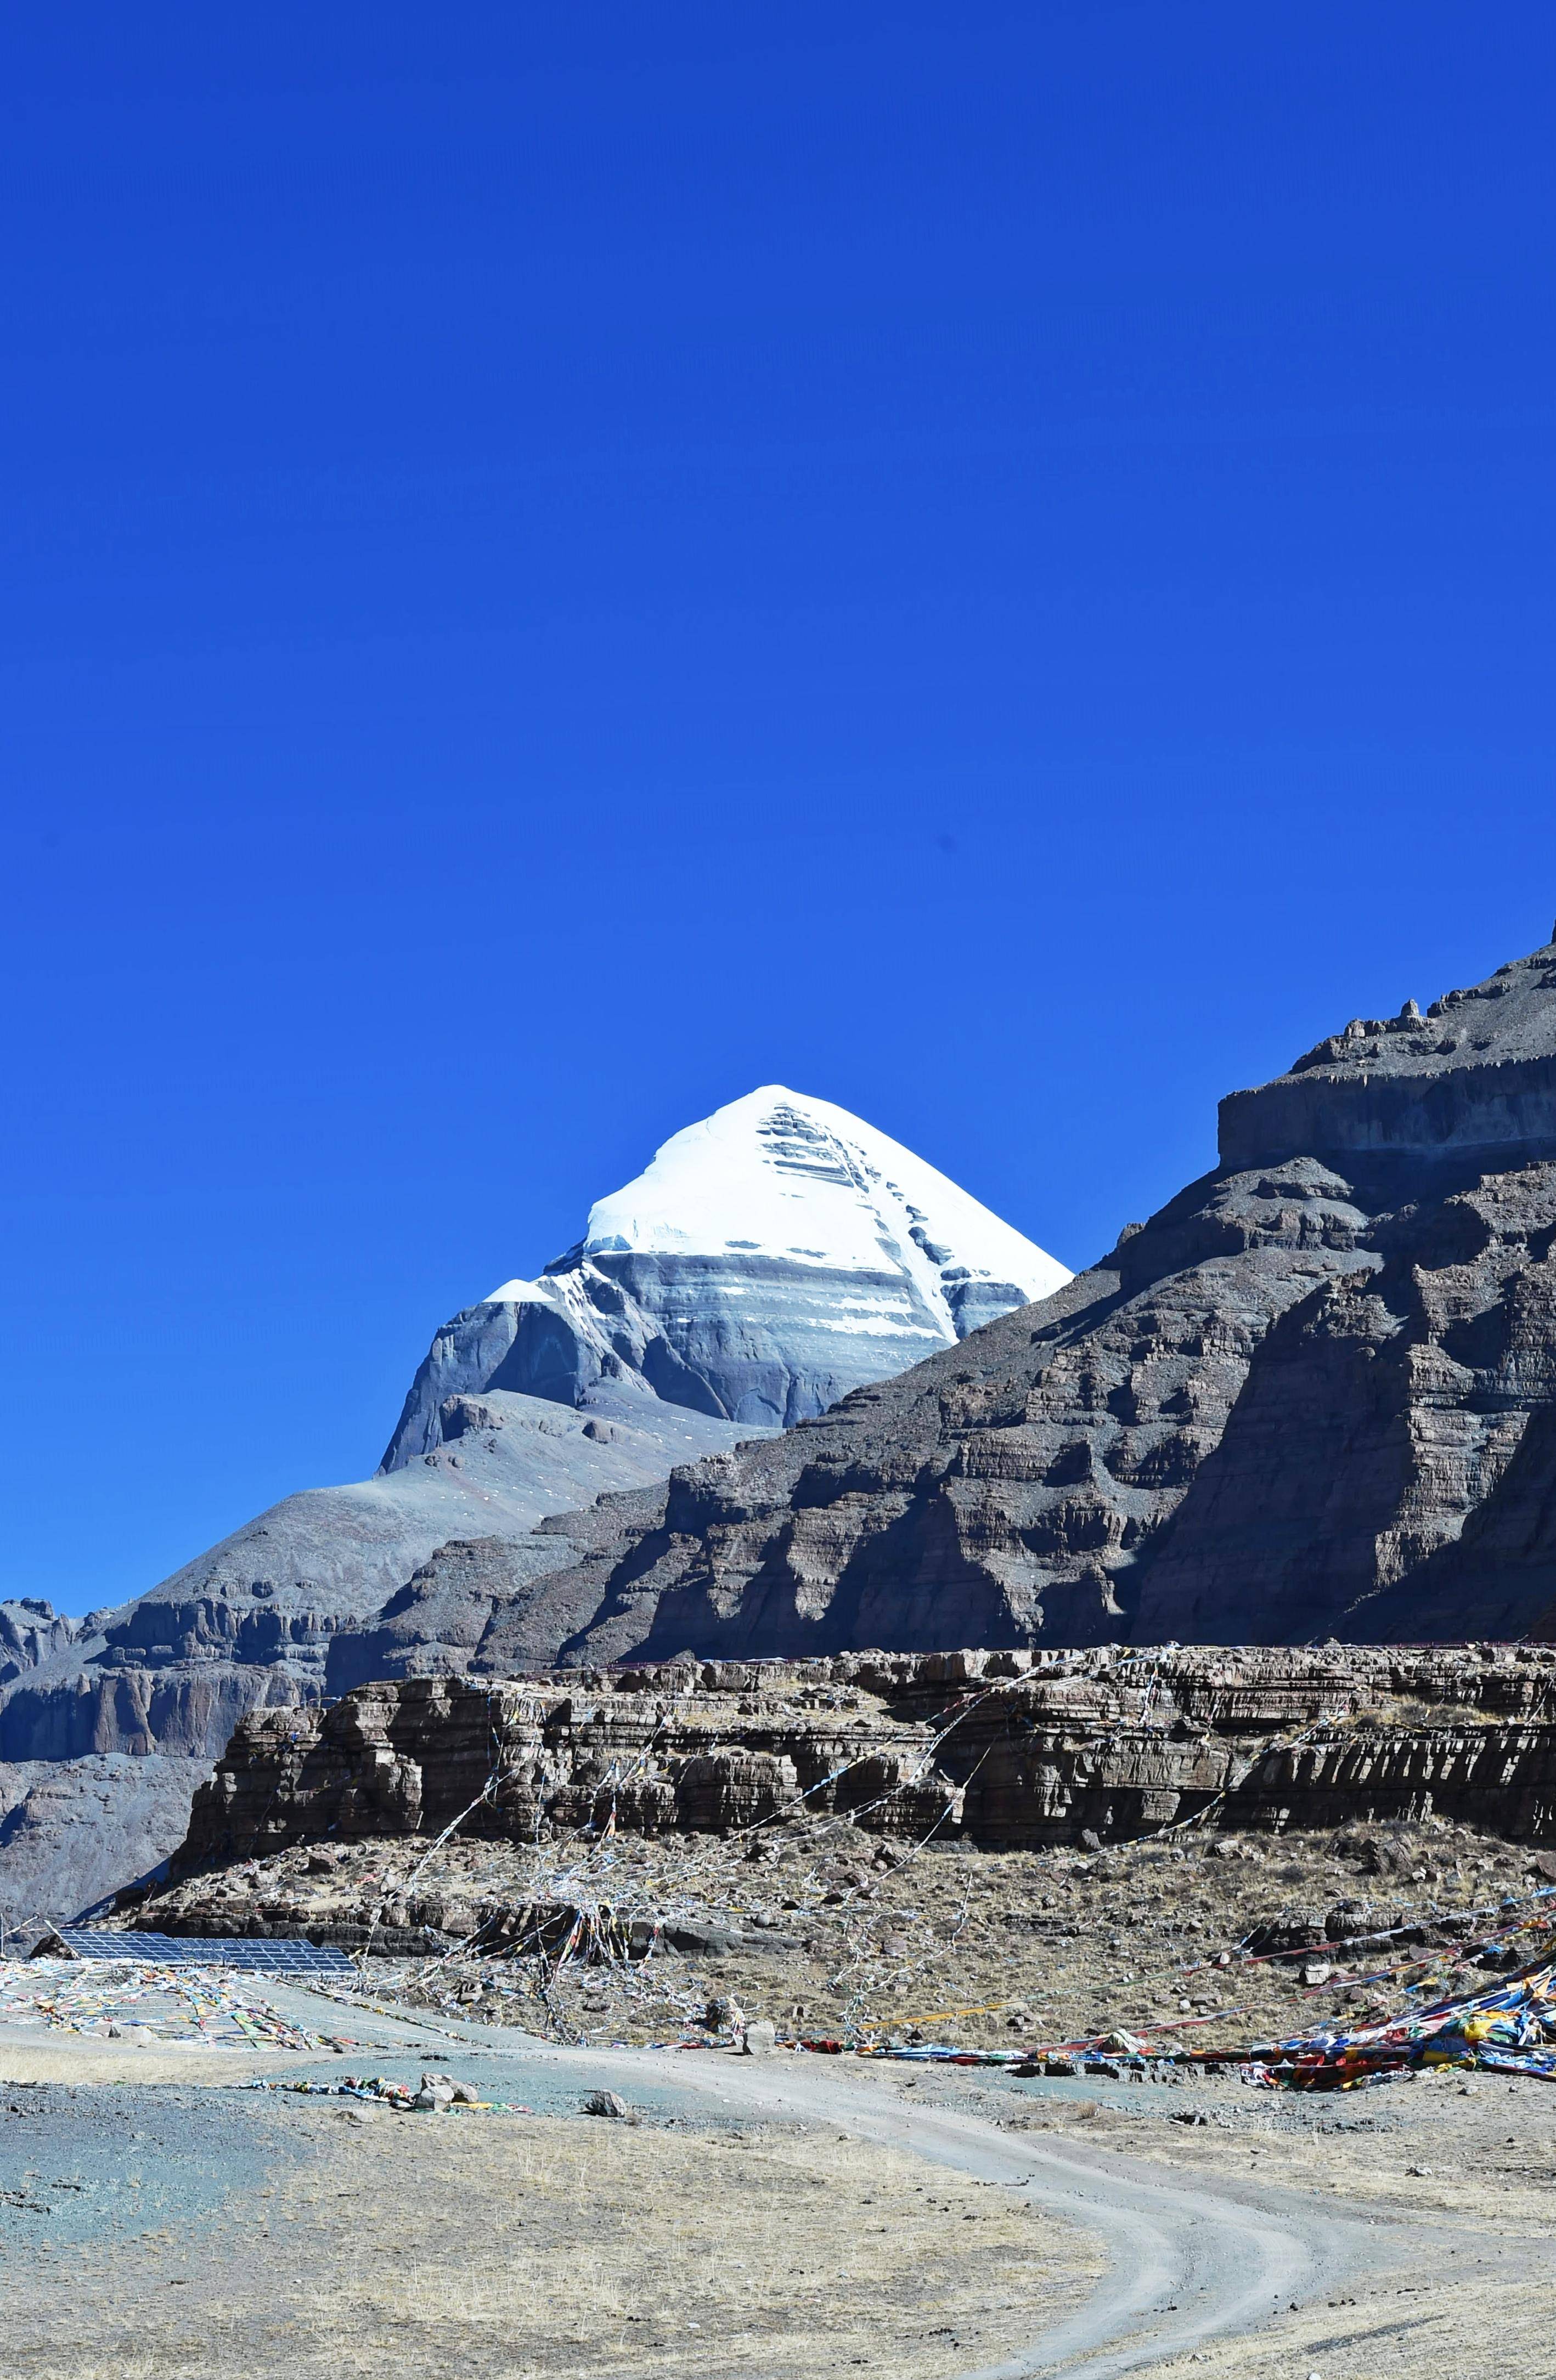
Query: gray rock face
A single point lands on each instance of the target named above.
(73, 1831)
(1316, 1394)
(770, 1260)
(255, 1622)
(438, 1623)
(1471, 1085)
(105, 1730)
(30, 1631)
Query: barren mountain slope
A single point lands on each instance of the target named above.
(1315, 1394)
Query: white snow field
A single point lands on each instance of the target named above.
(771, 1258)
(779, 1174)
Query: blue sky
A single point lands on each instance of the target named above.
(993, 564)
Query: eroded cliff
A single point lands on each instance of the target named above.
(1313, 1395)
(996, 1749)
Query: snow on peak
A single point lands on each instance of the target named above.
(770, 1260)
(783, 1176)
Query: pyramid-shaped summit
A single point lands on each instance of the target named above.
(770, 1260)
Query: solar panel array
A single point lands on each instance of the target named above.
(260, 1957)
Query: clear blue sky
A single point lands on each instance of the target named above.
(991, 564)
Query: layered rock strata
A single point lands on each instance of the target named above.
(73, 1833)
(1315, 1394)
(995, 1750)
(1469, 1083)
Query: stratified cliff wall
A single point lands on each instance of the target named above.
(1005, 1752)
(1314, 1395)
(1464, 1085)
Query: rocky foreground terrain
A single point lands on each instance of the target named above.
(753, 2220)
(1209, 1945)
(1179, 1849)
(969, 1844)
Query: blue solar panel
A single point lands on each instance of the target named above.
(261, 1957)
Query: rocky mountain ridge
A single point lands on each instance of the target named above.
(1312, 1397)
(107, 1723)
(31, 1631)
(1315, 1394)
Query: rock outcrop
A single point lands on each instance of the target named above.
(1002, 1750)
(31, 1630)
(1469, 1086)
(1316, 1394)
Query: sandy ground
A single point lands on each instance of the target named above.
(156, 2223)
(1445, 2193)
(777, 2216)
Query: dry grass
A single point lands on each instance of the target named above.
(1429, 2328)
(531, 2249)
(985, 1950)
(1461, 2189)
(64, 2058)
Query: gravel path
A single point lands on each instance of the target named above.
(1190, 2262)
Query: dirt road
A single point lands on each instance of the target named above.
(1187, 2262)
(769, 2215)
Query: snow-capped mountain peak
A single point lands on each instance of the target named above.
(785, 1176)
(771, 1258)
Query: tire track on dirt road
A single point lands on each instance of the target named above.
(1189, 2261)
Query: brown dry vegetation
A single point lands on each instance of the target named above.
(984, 1949)
(525, 2249)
